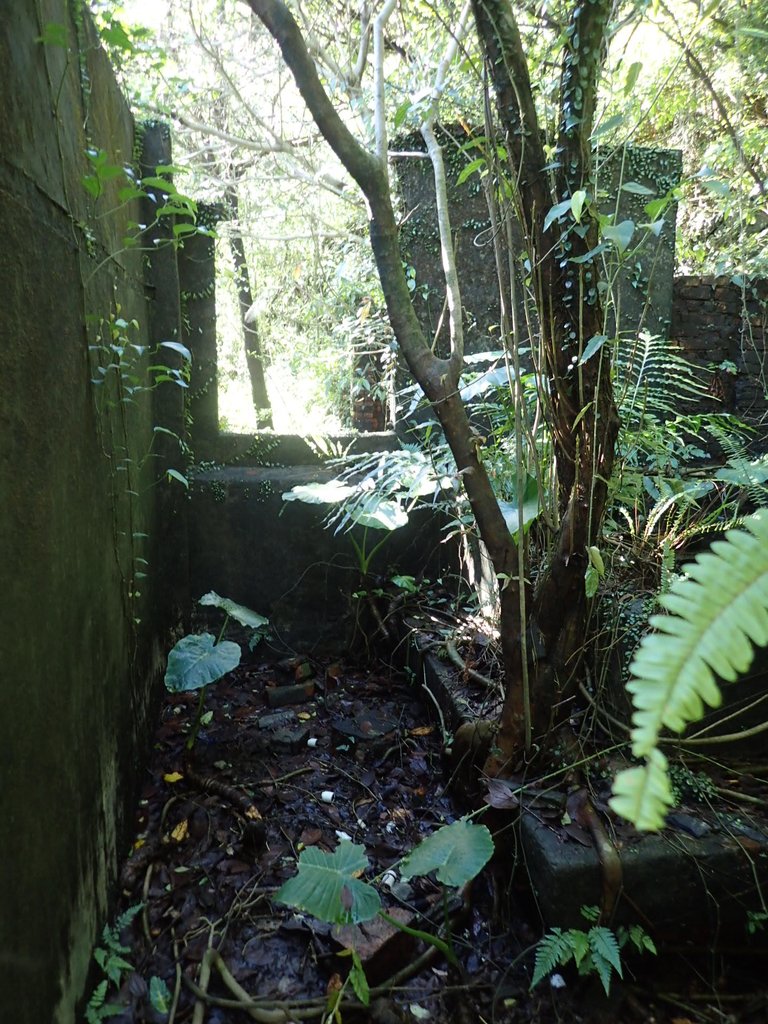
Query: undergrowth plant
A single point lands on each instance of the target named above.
(199, 659)
(596, 950)
(329, 886)
(110, 955)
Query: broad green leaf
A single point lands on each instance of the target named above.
(176, 346)
(594, 344)
(636, 189)
(359, 980)
(643, 795)
(198, 660)
(744, 472)
(380, 514)
(159, 995)
(245, 616)
(716, 187)
(115, 35)
(472, 166)
(587, 256)
(456, 853)
(632, 76)
(54, 34)
(530, 510)
(174, 474)
(620, 235)
(557, 211)
(591, 581)
(607, 126)
(578, 199)
(326, 885)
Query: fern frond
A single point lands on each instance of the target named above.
(643, 795)
(653, 378)
(553, 950)
(603, 944)
(717, 615)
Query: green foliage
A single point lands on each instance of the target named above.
(327, 885)
(159, 995)
(716, 616)
(245, 616)
(456, 853)
(197, 660)
(110, 956)
(596, 951)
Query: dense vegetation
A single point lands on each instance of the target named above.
(288, 114)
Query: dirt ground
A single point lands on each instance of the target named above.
(299, 754)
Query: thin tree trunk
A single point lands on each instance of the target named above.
(583, 417)
(582, 414)
(253, 354)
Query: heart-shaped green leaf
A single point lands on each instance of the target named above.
(456, 853)
(198, 660)
(327, 888)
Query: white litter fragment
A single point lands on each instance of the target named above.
(327, 796)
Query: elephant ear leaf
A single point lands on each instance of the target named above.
(716, 616)
(328, 887)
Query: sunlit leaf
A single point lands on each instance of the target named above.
(245, 616)
(620, 235)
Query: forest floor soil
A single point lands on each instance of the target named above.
(297, 754)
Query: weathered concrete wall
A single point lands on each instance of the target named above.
(642, 299)
(722, 326)
(80, 643)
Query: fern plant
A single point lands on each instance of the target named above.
(596, 951)
(716, 617)
(109, 955)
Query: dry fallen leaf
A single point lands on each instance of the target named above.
(180, 833)
(500, 795)
(422, 730)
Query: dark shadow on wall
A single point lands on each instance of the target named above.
(92, 541)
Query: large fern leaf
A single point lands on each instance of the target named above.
(717, 616)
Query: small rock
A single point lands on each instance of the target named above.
(278, 696)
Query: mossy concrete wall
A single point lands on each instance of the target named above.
(626, 179)
(80, 633)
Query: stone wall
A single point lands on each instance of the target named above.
(626, 179)
(720, 324)
(86, 536)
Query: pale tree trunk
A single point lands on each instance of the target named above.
(584, 423)
(253, 354)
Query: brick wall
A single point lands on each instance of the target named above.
(720, 325)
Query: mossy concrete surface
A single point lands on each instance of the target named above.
(79, 635)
